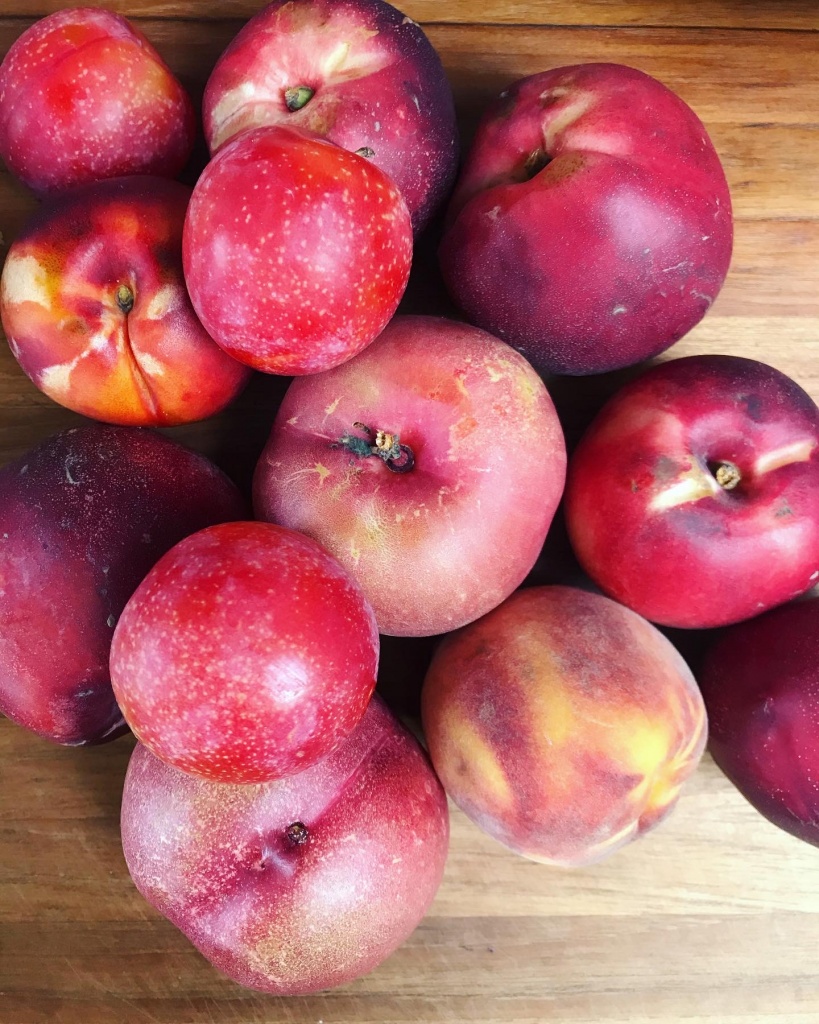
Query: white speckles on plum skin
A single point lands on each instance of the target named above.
(292, 919)
(388, 93)
(320, 268)
(83, 96)
(245, 655)
(73, 512)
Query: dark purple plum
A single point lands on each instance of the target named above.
(760, 682)
(83, 517)
(591, 225)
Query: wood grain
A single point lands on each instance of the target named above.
(800, 15)
(714, 918)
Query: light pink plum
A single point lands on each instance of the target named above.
(430, 465)
(84, 96)
(301, 884)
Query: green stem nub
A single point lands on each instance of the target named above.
(297, 97)
(125, 298)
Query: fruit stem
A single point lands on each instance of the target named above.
(535, 162)
(297, 833)
(125, 298)
(727, 475)
(397, 457)
(297, 97)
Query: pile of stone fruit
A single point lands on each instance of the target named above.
(274, 809)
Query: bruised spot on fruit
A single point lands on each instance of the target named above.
(665, 469)
(753, 406)
(478, 764)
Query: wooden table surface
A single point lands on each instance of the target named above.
(712, 918)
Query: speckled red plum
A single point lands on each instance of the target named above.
(563, 724)
(84, 96)
(246, 654)
(430, 465)
(95, 309)
(83, 517)
(591, 226)
(693, 497)
(296, 252)
(301, 884)
(357, 72)
(760, 682)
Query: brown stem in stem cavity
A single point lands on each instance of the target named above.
(397, 457)
(727, 475)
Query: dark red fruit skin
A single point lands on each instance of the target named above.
(402, 110)
(83, 517)
(613, 250)
(712, 557)
(760, 682)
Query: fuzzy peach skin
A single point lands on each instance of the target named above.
(357, 72)
(297, 885)
(95, 308)
(440, 544)
(84, 96)
(562, 724)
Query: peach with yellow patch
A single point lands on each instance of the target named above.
(95, 308)
(563, 724)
